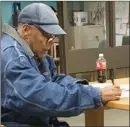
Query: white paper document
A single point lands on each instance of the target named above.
(125, 90)
(125, 94)
(124, 87)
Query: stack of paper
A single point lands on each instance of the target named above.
(125, 90)
(125, 87)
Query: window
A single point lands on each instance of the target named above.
(80, 47)
(86, 25)
(122, 23)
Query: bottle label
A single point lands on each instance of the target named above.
(101, 65)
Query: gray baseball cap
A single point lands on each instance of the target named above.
(42, 15)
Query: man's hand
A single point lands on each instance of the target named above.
(110, 93)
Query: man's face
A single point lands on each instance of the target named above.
(39, 41)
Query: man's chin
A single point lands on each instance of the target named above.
(41, 54)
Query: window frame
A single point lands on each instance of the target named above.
(117, 57)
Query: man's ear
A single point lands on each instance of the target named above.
(26, 29)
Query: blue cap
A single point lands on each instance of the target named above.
(42, 15)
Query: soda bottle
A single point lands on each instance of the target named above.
(101, 69)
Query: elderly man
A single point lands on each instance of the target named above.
(33, 94)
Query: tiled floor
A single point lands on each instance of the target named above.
(113, 117)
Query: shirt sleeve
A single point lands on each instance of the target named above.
(27, 91)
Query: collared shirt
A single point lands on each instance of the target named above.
(32, 91)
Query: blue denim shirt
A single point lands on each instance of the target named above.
(33, 90)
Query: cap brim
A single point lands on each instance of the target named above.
(53, 29)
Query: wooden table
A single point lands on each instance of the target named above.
(122, 104)
(95, 117)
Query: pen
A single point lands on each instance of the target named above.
(112, 76)
(112, 81)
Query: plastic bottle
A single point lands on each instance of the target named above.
(101, 69)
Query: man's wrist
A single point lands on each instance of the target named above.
(101, 89)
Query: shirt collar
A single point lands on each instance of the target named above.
(12, 32)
